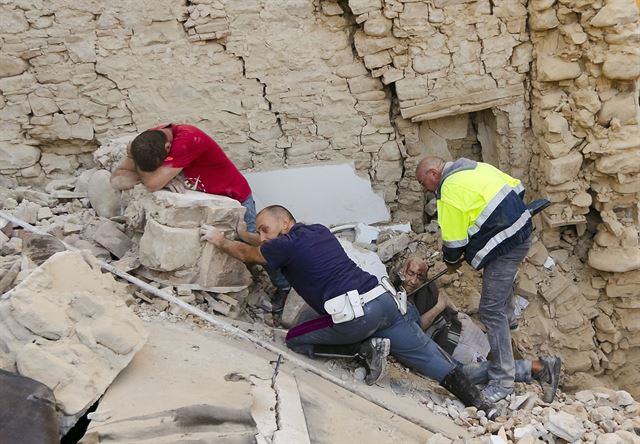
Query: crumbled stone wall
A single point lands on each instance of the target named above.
(585, 117)
(546, 90)
(275, 83)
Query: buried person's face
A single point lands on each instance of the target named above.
(414, 274)
(270, 226)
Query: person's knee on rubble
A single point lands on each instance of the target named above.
(177, 157)
(483, 221)
(457, 334)
(352, 306)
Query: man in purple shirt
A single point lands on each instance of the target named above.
(316, 265)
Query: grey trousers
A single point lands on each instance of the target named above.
(496, 310)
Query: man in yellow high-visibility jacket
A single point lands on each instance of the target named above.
(484, 221)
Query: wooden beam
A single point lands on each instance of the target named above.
(456, 105)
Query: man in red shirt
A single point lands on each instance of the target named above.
(157, 156)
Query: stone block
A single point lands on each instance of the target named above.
(615, 260)
(392, 246)
(615, 12)
(110, 237)
(378, 27)
(362, 84)
(551, 290)
(53, 163)
(12, 66)
(619, 163)
(170, 247)
(621, 66)
(16, 156)
(362, 6)
(167, 248)
(562, 169)
(103, 198)
(554, 69)
(622, 106)
(67, 326)
(366, 45)
(543, 21)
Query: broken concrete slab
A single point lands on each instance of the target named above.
(67, 326)
(216, 395)
(291, 420)
(346, 197)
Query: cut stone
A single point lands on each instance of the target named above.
(110, 237)
(103, 198)
(67, 326)
(170, 247)
(563, 169)
(554, 69)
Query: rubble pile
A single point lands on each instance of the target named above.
(67, 325)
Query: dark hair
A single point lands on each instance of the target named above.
(148, 150)
(280, 211)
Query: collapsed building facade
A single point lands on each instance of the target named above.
(546, 90)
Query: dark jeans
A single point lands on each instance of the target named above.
(409, 344)
(496, 310)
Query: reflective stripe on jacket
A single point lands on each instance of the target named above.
(480, 211)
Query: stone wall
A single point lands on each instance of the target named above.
(547, 90)
(585, 117)
(276, 83)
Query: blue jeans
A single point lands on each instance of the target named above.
(409, 344)
(496, 309)
(478, 372)
(276, 276)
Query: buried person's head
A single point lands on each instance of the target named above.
(149, 149)
(413, 273)
(273, 221)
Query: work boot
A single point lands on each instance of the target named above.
(494, 392)
(549, 377)
(462, 388)
(375, 351)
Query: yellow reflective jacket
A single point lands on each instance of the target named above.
(480, 211)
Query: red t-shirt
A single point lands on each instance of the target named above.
(205, 166)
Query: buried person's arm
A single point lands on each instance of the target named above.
(241, 251)
(427, 318)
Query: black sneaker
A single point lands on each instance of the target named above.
(514, 327)
(549, 377)
(375, 352)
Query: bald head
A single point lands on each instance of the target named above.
(414, 271)
(429, 172)
(273, 221)
(278, 211)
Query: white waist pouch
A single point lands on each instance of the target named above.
(345, 307)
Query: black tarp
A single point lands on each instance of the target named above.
(27, 411)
